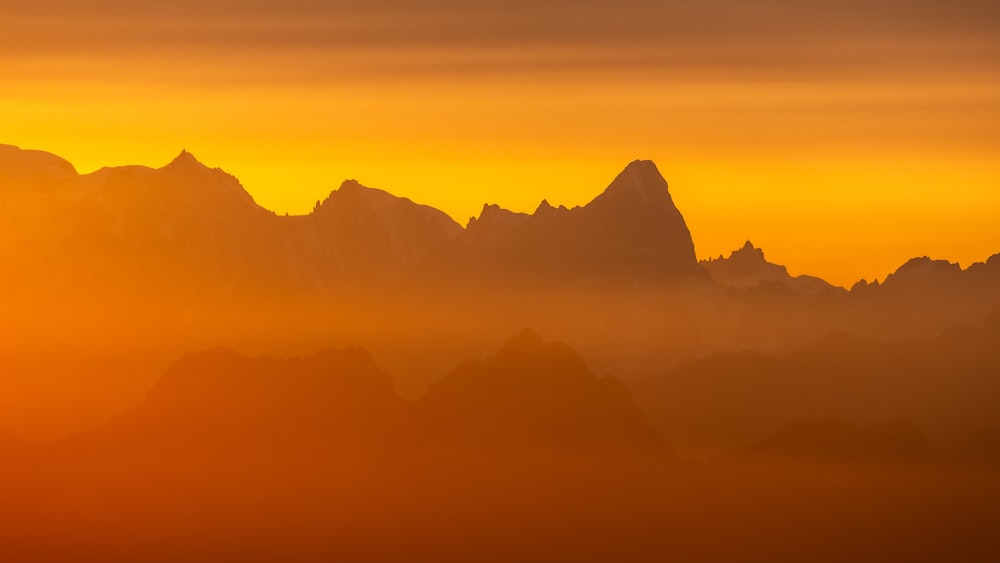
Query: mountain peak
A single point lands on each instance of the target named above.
(748, 252)
(746, 267)
(527, 338)
(544, 209)
(641, 180)
(185, 159)
(349, 185)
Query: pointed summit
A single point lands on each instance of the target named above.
(746, 267)
(630, 233)
(544, 208)
(185, 160)
(640, 180)
(748, 253)
(534, 393)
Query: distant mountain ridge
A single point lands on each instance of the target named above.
(532, 394)
(631, 231)
(184, 254)
(945, 384)
(746, 267)
(198, 231)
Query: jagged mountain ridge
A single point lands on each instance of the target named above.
(747, 267)
(944, 384)
(530, 394)
(631, 231)
(196, 230)
(175, 246)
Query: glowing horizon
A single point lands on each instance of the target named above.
(582, 181)
(842, 139)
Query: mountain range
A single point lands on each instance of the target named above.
(134, 266)
(946, 385)
(198, 229)
(315, 457)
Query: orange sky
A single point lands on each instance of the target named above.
(841, 137)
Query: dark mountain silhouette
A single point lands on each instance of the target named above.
(134, 262)
(832, 439)
(194, 230)
(923, 297)
(336, 392)
(735, 399)
(747, 267)
(924, 276)
(185, 227)
(630, 232)
(494, 224)
(236, 458)
(525, 455)
(924, 271)
(370, 225)
(32, 185)
(531, 395)
(534, 394)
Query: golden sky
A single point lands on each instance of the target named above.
(842, 137)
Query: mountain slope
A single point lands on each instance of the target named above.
(746, 267)
(631, 232)
(944, 385)
(194, 232)
(533, 394)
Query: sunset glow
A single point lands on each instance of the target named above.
(840, 158)
(499, 281)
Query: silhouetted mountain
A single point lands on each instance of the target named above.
(221, 401)
(493, 225)
(924, 270)
(222, 383)
(179, 258)
(190, 230)
(747, 267)
(832, 439)
(735, 399)
(631, 232)
(32, 185)
(29, 170)
(533, 394)
(377, 234)
(923, 297)
(234, 458)
(184, 227)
